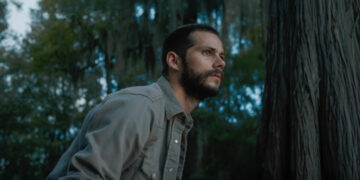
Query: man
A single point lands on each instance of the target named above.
(140, 132)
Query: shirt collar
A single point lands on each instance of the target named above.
(173, 106)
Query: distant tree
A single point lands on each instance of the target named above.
(3, 21)
(310, 120)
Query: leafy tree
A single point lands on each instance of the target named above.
(310, 120)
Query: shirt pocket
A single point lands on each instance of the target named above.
(147, 170)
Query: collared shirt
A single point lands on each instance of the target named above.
(136, 133)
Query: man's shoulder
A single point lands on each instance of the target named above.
(152, 92)
(130, 104)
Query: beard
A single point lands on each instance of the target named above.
(194, 83)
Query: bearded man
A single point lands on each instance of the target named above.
(140, 132)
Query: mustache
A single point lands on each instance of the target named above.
(215, 71)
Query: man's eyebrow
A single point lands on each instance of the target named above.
(208, 47)
(222, 54)
(212, 49)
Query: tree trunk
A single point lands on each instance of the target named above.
(108, 61)
(191, 12)
(311, 102)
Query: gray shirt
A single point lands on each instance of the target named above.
(136, 133)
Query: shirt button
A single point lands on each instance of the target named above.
(171, 169)
(153, 175)
(176, 141)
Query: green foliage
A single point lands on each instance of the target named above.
(35, 117)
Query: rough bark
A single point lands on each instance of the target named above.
(311, 102)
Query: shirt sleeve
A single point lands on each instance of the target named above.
(116, 135)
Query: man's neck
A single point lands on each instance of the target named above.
(187, 102)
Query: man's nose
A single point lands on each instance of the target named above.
(219, 63)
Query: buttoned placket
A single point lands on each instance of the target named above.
(182, 154)
(173, 164)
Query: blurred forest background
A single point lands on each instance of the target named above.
(78, 51)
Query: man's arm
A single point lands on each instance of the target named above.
(116, 135)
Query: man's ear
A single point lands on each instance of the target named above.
(173, 60)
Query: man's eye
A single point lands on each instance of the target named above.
(206, 52)
(223, 58)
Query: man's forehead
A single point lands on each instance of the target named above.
(201, 33)
(206, 39)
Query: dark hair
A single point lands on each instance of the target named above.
(179, 41)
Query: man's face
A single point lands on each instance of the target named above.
(203, 66)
